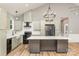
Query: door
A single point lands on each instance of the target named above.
(64, 26)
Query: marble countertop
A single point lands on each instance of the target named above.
(48, 38)
(15, 35)
(12, 36)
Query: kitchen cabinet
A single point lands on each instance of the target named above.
(48, 43)
(16, 41)
(13, 43)
(62, 45)
(36, 26)
(17, 25)
(28, 17)
(34, 46)
(9, 45)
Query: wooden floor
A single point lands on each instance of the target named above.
(23, 50)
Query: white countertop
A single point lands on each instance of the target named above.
(48, 38)
(12, 36)
(9, 34)
(15, 35)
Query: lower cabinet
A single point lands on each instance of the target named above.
(9, 45)
(12, 43)
(15, 42)
(62, 45)
(48, 45)
(34, 46)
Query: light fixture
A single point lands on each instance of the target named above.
(49, 15)
(16, 15)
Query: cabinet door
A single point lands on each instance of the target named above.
(18, 40)
(28, 17)
(9, 45)
(48, 45)
(17, 25)
(13, 43)
(34, 46)
(62, 45)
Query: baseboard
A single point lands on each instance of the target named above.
(74, 38)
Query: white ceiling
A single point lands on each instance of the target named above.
(20, 7)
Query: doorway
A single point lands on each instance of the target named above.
(64, 26)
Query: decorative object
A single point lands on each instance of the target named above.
(49, 15)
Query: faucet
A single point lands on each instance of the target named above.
(12, 32)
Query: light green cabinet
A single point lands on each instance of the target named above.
(28, 17)
(17, 25)
(16, 41)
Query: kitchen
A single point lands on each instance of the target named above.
(21, 28)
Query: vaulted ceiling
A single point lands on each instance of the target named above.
(21, 7)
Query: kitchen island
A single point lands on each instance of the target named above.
(48, 43)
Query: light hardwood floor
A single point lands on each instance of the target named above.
(23, 50)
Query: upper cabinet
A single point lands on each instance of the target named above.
(36, 25)
(3, 19)
(17, 25)
(11, 21)
(28, 16)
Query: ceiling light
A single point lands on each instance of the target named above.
(49, 14)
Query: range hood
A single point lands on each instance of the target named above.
(27, 24)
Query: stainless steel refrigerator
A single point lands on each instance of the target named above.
(49, 29)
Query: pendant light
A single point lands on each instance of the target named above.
(49, 15)
(16, 14)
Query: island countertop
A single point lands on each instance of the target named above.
(48, 38)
